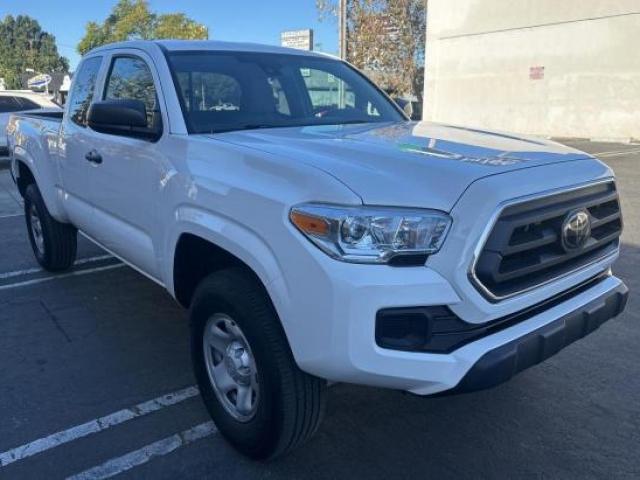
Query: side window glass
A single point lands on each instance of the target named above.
(131, 79)
(84, 84)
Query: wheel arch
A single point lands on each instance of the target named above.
(23, 176)
(25, 171)
(194, 259)
(199, 249)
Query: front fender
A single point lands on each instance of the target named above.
(231, 236)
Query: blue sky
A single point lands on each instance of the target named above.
(235, 20)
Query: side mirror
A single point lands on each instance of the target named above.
(121, 117)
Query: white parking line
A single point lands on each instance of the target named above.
(29, 271)
(617, 153)
(64, 275)
(57, 277)
(11, 215)
(95, 426)
(139, 457)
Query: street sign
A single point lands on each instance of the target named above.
(299, 39)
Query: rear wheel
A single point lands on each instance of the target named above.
(54, 244)
(261, 402)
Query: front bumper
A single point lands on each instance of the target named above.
(502, 363)
(338, 343)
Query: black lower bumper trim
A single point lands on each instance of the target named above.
(4, 151)
(501, 364)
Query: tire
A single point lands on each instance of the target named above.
(288, 406)
(54, 244)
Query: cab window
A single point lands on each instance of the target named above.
(131, 79)
(84, 84)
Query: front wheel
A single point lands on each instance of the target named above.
(54, 244)
(259, 399)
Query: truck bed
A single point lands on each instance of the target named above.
(37, 131)
(49, 114)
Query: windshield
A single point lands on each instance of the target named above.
(225, 91)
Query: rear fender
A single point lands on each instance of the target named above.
(34, 153)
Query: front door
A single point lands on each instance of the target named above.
(129, 179)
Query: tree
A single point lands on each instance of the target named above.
(23, 45)
(387, 39)
(178, 25)
(132, 19)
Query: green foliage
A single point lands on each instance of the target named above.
(24, 45)
(178, 25)
(132, 20)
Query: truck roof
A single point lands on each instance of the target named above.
(212, 45)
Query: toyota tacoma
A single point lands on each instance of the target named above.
(314, 232)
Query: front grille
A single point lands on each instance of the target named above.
(525, 248)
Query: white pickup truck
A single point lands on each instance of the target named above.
(314, 232)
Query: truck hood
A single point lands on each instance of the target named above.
(407, 164)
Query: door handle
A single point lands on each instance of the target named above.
(94, 157)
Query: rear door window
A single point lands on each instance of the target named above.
(84, 84)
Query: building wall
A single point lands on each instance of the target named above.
(568, 68)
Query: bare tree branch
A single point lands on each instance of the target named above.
(386, 38)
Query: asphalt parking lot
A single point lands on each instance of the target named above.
(95, 380)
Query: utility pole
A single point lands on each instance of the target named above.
(342, 22)
(342, 25)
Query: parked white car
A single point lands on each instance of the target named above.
(19, 101)
(315, 233)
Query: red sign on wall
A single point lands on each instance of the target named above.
(536, 73)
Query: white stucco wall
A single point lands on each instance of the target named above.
(480, 54)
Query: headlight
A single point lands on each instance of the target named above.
(372, 235)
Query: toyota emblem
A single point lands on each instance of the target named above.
(576, 230)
